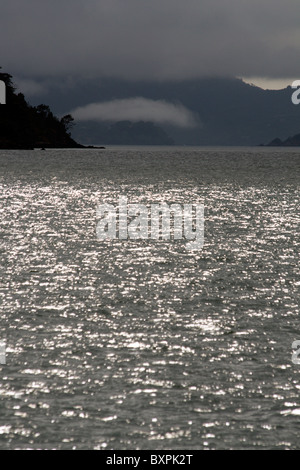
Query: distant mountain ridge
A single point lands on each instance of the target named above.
(293, 141)
(231, 111)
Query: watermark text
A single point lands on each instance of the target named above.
(2, 352)
(296, 94)
(158, 222)
(296, 353)
(2, 92)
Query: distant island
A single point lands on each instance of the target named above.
(293, 141)
(26, 127)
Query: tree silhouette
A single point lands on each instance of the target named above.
(68, 123)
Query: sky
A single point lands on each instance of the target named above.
(154, 39)
(48, 43)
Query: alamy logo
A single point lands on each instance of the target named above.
(160, 221)
(2, 92)
(295, 95)
(296, 353)
(2, 352)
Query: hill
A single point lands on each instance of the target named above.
(231, 111)
(24, 127)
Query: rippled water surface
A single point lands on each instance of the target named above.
(143, 344)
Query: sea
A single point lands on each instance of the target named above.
(142, 344)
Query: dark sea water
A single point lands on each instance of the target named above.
(143, 344)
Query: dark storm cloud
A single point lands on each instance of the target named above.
(157, 39)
